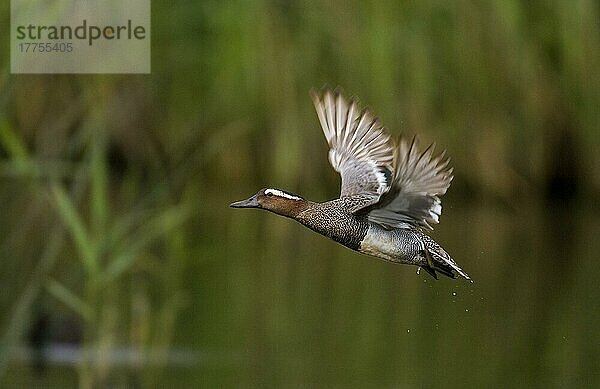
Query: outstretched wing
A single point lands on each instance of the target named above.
(419, 178)
(359, 149)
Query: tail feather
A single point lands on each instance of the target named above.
(439, 260)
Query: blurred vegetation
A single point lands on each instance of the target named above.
(114, 189)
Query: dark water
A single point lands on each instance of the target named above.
(276, 305)
(298, 309)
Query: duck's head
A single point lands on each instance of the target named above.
(274, 200)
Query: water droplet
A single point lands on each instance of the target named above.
(467, 310)
(408, 330)
(453, 293)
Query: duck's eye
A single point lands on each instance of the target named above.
(270, 194)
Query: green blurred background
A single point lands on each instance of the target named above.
(122, 265)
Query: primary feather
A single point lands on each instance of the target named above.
(359, 149)
(420, 177)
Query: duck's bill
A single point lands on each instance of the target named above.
(252, 202)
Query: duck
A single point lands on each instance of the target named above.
(390, 190)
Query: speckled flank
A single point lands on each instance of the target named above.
(333, 220)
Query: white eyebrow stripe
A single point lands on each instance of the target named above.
(280, 193)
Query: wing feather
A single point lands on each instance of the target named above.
(394, 182)
(359, 149)
(420, 177)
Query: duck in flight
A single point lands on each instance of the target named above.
(389, 196)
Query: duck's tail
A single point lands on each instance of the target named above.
(438, 260)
